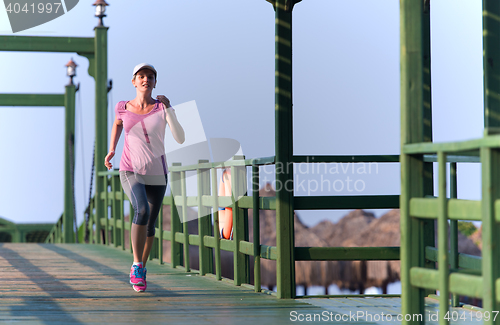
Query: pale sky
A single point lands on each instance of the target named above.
(221, 55)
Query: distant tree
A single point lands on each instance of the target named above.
(466, 228)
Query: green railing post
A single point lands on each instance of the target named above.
(429, 238)
(69, 161)
(455, 299)
(185, 228)
(490, 160)
(491, 66)
(175, 223)
(204, 222)
(160, 236)
(106, 208)
(215, 211)
(122, 213)
(116, 205)
(413, 99)
(285, 265)
(238, 188)
(444, 288)
(256, 227)
(101, 117)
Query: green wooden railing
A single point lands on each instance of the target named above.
(207, 201)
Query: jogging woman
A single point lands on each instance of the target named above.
(143, 165)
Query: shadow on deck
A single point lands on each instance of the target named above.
(88, 284)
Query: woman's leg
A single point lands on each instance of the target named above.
(155, 195)
(136, 192)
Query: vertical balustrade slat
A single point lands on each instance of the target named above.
(204, 222)
(215, 211)
(160, 235)
(106, 211)
(444, 290)
(130, 221)
(184, 221)
(238, 188)
(455, 302)
(256, 227)
(122, 215)
(115, 209)
(175, 224)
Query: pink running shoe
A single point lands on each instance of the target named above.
(139, 288)
(137, 276)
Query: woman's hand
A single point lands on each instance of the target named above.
(164, 100)
(107, 159)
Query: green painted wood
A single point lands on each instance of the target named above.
(216, 232)
(424, 278)
(47, 44)
(226, 164)
(346, 159)
(466, 285)
(185, 231)
(175, 224)
(442, 222)
(455, 299)
(116, 207)
(491, 70)
(69, 164)
(159, 235)
(268, 252)
(346, 202)
(256, 226)
(240, 228)
(346, 253)
(47, 100)
(204, 221)
(465, 261)
(285, 265)
(470, 147)
(100, 74)
(413, 98)
(473, 158)
(490, 160)
(457, 209)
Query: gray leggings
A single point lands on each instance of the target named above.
(146, 200)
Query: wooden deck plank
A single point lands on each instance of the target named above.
(88, 284)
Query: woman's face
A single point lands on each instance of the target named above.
(144, 80)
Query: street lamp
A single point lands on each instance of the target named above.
(71, 70)
(100, 9)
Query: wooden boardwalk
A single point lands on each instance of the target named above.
(88, 284)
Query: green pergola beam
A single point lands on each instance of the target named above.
(47, 44)
(32, 100)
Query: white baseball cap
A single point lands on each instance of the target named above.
(144, 66)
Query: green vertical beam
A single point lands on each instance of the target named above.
(490, 160)
(455, 301)
(256, 226)
(122, 213)
(285, 265)
(238, 188)
(106, 210)
(215, 211)
(69, 161)
(175, 222)
(101, 114)
(185, 228)
(115, 209)
(204, 222)
(444, 288)
(428, 225)
(413, 100)
(160, 236)
(491, 66)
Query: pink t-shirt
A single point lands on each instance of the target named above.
(144, 149)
